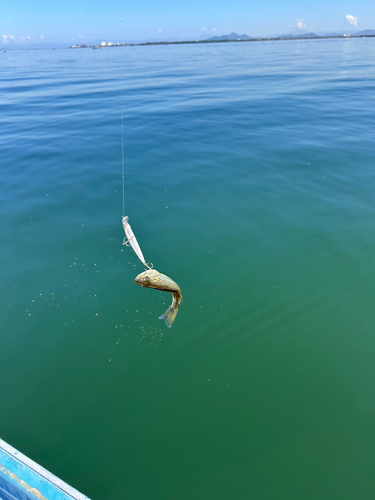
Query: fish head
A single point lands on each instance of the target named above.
(148, 278)
(125, 220)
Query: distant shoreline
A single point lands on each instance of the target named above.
(193, 42)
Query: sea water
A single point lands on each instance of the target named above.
(249, 179)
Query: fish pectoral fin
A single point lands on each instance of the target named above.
(169, 316)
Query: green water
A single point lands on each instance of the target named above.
(249, 180)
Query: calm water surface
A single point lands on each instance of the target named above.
(250, 180)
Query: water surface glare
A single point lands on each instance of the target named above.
(250, 181)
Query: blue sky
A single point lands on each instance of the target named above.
(72, 20)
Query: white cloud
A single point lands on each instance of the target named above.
(204, 29)
(41, 37)
(214, 29)
(10, 39)
(352, 20)
(300, 24)
(7, 38)
(159, 31)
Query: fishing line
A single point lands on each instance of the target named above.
(122, 152)
(129, 239)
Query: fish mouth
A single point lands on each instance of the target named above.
(140, 280)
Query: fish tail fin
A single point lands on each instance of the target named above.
(170, 315)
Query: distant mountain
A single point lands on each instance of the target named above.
(232, 36)
(365, 33)
(335, 33)
(348, 31)
(300, 35)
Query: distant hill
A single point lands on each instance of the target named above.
(232, 36)
(365, 33)
(348, 31)
(300, 35)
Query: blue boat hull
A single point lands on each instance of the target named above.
(23, 479)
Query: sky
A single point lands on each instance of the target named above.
(42, 21)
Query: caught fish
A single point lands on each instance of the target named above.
(154, 279)
(132, 240)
